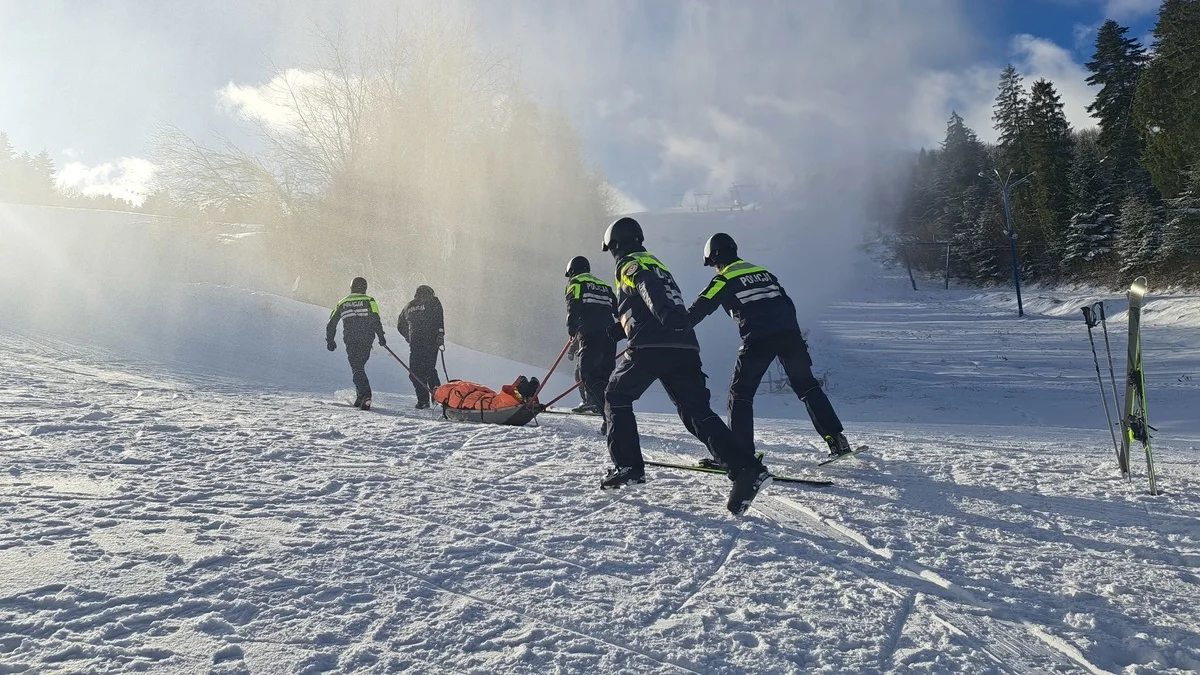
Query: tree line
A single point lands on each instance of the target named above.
(1099, 205)
(31, 179)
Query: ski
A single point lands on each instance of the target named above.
(567, 411)
(779, 479)
(1135, 424)
(852, 453)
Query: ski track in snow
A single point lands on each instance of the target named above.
(172, 522)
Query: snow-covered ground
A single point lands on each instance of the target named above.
(201, 499)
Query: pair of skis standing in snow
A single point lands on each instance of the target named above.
(662, 347)
(421, 323)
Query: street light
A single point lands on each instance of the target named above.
(1006, 185)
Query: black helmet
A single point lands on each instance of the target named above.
(624, 234)
(423, 292)
(720, 249)
(578, 265)
(359, 285)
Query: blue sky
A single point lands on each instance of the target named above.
(671, 95)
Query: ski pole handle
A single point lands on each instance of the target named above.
(1089, 316)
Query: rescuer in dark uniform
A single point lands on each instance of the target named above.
(591, 308)
(766, 321)
(663, 347)
(423, 325)
(359, 314)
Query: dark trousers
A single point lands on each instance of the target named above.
(596, 358)
(358, 355)
(752, 363)
(422, 359)
(680, 373)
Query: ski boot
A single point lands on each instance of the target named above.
(716, 464)
(366, 403)
(422, 405)
(622, 476)
(838, 445)
(746, 486)
(358, 401)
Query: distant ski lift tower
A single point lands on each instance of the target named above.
(696, 199)
(735, 194)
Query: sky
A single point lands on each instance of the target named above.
(670, 96)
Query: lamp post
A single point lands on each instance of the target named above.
(1006, 185)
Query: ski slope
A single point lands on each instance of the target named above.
(202, 499)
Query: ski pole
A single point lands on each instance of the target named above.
(1122, 460)
(410, 372)
(574, 387)
(542, 384)
(443, 353)
(1089, 317)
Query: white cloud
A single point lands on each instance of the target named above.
(273, 103)
(1085, 34)
(1124, 10)
(972, 91)
(128, 178)
(1039, 58)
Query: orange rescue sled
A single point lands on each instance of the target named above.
(514, 405)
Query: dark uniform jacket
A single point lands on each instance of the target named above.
(422, 324)
(591, 305)
(650, 306)
(359, 315)
(752, 296)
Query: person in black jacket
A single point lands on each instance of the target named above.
(766, 321)
(422, 324)
(663, 348)
(359, 314)
(591, 308)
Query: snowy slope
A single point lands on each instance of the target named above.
(190, 506)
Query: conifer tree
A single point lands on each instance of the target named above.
(1010, 117)
(1116, 67)
(1167, 103)
(1048, 145)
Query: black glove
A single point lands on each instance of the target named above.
(382, 342)
(330, 345)
(441, 338)
(616, 332)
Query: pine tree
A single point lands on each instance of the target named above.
(962, 157)
(1181, 234)
(7, 166)
(959, 163)
(1010, 118)
(1116, 68)
(41, 187)
(1167, 103)
(1139, 237)
(1049, 155)
(923, 202)
(1093, 223)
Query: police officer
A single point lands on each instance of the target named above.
(359, 314)
(591, 308)
(422, 324)
(766, 321)
(663, 347)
